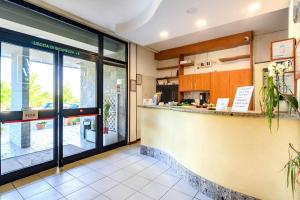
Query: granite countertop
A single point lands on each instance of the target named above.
(192, 109)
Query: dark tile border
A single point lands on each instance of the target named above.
(206, 187)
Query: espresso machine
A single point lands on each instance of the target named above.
(204, 97)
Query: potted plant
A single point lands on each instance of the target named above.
(41, 125)
(274, 97)
(106, 108)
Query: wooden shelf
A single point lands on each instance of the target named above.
(187, 64)
(234, 58)
(170, 77)
(166, 68)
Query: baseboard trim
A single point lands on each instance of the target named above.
(134, 142)
(206, 187)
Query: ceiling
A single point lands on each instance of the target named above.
(178, 18)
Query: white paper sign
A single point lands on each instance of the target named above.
(222, 104)
(30, 114)
(242, 99)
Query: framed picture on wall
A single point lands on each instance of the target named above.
(297, 60)
(132, 85)
(283, 49)
(139, 79)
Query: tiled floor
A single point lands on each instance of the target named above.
(116, 175)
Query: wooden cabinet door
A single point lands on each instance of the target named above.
(186, 83)
(202, 82)
(238, 78)
(219, 86)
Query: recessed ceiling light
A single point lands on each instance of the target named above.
(254, 7)
(164, 34)
(200, 23)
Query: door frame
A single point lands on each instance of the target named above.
(11, 37)
(26, 40)
(78, 112)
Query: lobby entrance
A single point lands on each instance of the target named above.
(51, 105)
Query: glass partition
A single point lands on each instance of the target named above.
(114, 104)
(114, 49)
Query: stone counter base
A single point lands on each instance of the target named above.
(205, 186)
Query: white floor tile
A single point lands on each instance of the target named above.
(79, 171)
(101, 197)
(160, 166)
(59, 179)
(34, 188)
(50, 194)
(167, 180)
(122, 163)
(120, 175)
(139, 196)
(134, 168)
(107, 170)
(175, 195)
(184, 187)
(91, 177)
(201, 196)
(10, 195)
(96, 164)
(146, 162)
(104, 184)
(172, 172)
(85, 193)
(136, 182)
(154, 190)
(70, 187)
(119, 192)
(150, 174)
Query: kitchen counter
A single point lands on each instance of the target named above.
(223, 154)
(193, 109)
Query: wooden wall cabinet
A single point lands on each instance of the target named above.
(219, 86)
(238, 78)
(202, 81)
(194, 82)
(224, 84)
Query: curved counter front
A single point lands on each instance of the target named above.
(225, 155)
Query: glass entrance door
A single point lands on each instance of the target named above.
(79, 107)
(27, 85)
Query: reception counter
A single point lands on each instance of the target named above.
(226, 155)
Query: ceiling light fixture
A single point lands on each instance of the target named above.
(254, 7)
(200, 23)
(164, 34)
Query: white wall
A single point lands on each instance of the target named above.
(294, 29)
(141, 62)
(261, 51)
(261, 46)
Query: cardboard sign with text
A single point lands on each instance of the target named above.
(242, 99)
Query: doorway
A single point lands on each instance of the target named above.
(61, 89)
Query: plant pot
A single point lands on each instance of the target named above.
(40, 126)
(283, 107)
(105, 130)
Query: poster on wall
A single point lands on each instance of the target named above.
(298, 60)
(283, 49)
